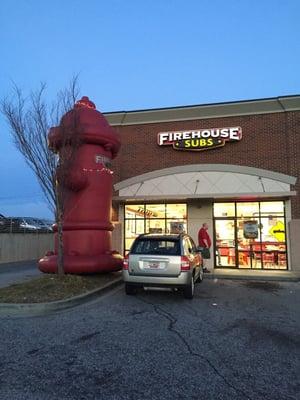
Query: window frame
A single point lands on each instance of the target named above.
(260, 217)
(146, 218)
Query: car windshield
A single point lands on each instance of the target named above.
(156, 246)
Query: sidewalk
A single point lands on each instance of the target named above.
(22, 271)
(18, 272)
(250, 274)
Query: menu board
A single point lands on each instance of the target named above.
(250, 229)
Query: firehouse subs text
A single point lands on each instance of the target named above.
(202, 139)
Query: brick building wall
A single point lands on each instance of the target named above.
(270, 141)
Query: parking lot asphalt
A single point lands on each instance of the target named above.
(234, 340)
(17, 272)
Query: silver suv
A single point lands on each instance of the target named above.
(163, 261)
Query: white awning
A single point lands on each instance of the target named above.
(206, 181)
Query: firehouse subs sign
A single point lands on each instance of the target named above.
(202, 139)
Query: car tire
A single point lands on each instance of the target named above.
(130, 289)
(201, 273)
(188, 291)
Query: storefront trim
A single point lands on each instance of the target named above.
(211, 196)
(238, 169)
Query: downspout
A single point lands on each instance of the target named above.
(288, 158)
(121, 208)
(123, 119)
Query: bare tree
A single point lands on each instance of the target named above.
(29, 120)
(66, 145)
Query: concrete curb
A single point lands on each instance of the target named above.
(23, 309)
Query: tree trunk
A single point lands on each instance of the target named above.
(60, 250)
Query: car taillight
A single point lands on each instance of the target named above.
(185, 264)
(126, 262)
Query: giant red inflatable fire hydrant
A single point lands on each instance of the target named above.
(85, 181)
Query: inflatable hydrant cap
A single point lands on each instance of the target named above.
(85, 102)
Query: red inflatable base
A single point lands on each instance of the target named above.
(83, 264)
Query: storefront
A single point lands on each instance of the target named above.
(247, 234)
(250, 235)
(234, 166)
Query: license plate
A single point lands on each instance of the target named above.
(154, 265)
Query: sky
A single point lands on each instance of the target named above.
(132, 55)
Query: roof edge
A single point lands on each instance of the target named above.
(204, 111)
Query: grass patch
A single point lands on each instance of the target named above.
(49, 288)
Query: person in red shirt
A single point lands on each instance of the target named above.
(204, 240)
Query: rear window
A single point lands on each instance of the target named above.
(156, 246)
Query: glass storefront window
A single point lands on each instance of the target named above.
(244, 239)
(155, 226)
(129, 241)
(224, 209)
(134, 211)
(225, 242)
(247, 209)
(254, 238)
(176, 226)
(153, 218)
(272, 208)
(273, 229)
(225, 232)
(155, 210)
(133, 228)
(177, 211)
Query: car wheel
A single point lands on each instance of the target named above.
(200, 277)
(188, 291)
(130, 289)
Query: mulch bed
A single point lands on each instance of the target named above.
(52, 287)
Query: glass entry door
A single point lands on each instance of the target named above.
(225, 243)
(250, 235)
(249, 244)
